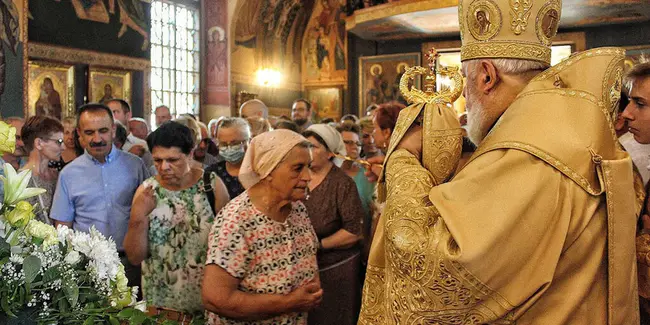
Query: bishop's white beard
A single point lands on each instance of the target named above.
(478, 123)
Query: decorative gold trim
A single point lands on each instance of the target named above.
(395, 8)
(72, 56)
(552, 71)
(548, 158)
(519, 15)
(506, 49)
(24, 35)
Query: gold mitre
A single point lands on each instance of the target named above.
(509, 29)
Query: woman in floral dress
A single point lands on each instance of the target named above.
(261, 266)
(171, 218)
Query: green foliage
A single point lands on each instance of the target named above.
(31, 267)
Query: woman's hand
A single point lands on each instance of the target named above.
(306, 297)
(145, 202)
(376, 163)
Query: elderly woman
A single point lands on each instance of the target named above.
(43, 140)
(261, 266)
(336, 212)
(233, 136)
(171, 218)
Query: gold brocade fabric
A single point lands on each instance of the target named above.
(537, 228)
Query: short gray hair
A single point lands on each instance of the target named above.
(509, 66)
(141, 120)
(640, 71)
(236, 122)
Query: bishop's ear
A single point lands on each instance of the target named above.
(488, 76)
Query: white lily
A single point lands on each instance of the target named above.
(15, 185)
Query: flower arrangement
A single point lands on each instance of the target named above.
(57, 276)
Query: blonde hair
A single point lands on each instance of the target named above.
(69, 120)
(193, 126)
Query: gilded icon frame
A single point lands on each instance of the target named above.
(118, 80)
(40, 101)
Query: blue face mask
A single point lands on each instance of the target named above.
(232, 155)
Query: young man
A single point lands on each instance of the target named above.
(122, 113)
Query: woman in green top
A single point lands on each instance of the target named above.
(171, 218)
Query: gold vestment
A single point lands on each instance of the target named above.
(537, 228)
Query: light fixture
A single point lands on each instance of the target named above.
(268, 77)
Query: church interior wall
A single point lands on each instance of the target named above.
(624, 35)
(108, 36)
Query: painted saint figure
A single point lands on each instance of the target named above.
(49, 103)
(483, 22)
(108, 93)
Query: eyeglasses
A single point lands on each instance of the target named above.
(236, 144)
(58, 141)
(351, 142)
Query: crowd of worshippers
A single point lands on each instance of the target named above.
(246, 220)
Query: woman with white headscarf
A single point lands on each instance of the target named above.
(336, 213)
(261, 265)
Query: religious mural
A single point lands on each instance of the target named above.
(10, 38)
(267, 34)
(272, 29)
(109, 26)
(325, 43)
(379, 77)
(326, 102)
(131, 15)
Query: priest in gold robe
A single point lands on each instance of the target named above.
(539, 226)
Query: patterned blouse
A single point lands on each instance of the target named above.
(232, 182)
(269, 257)
(178, 239)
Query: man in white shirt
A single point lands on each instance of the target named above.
(122, 113)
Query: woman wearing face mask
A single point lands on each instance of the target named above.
(43, 138)
(171, 218)
(233, 135)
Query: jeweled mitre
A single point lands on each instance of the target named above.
(514, 29)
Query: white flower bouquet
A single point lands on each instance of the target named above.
(57, 276)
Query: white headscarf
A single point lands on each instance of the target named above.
(332, 139)
(264, 154)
